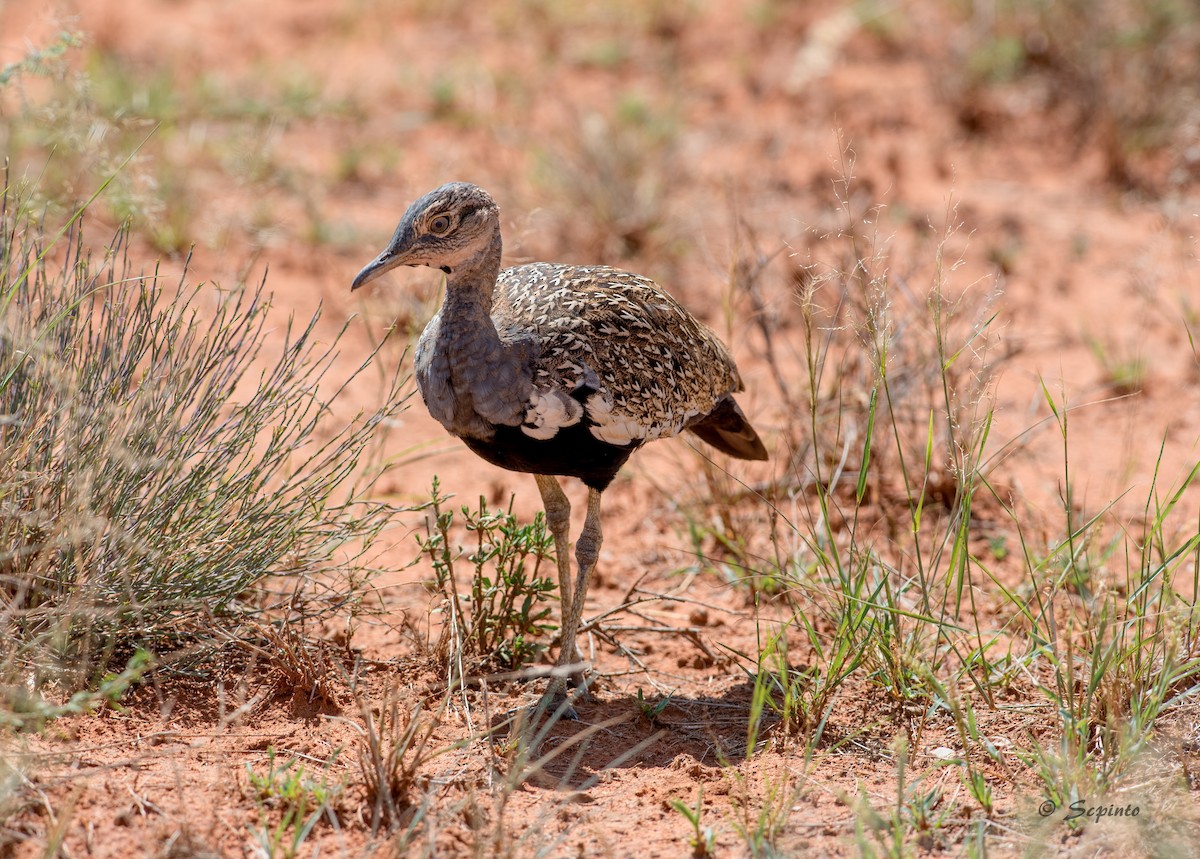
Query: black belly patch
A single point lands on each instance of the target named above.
(573, 452)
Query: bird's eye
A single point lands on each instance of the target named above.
(440, 225)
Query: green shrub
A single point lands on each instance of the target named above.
(160, 455)
(497, 625)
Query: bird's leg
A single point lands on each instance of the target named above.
(558, 517)
(587, 552)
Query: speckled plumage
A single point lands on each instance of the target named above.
(651, 367)
(558, 345)
(558, 369)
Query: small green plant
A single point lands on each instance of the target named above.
(801, 696)
(1124, 369)
(778, 688)
(762, 815)
(506, 607)
(652, 710)
(703, 839)
(27, 710)
(293, 800)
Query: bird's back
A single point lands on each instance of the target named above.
(642, 366)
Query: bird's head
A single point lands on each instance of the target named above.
(453, 226)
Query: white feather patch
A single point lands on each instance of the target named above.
(611, 427)
(548, 412)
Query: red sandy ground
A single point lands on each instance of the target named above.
(759, 126)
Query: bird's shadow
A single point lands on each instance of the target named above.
(548, 749)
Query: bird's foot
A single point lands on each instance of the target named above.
(565, 692)
(562, 707)
(574, 671)
(582, 680)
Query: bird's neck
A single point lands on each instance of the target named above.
(471, 379)
(466, 332)
(470, 284)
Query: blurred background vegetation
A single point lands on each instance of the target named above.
(286, 146)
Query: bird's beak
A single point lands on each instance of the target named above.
(386, 261)
(399, 251)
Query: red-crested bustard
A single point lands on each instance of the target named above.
(558, 370)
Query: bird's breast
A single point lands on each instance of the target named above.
(470, 380)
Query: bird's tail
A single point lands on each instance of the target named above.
(728, 430)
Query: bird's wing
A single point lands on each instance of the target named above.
(640, 365)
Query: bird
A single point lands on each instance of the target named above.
(558, 370)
